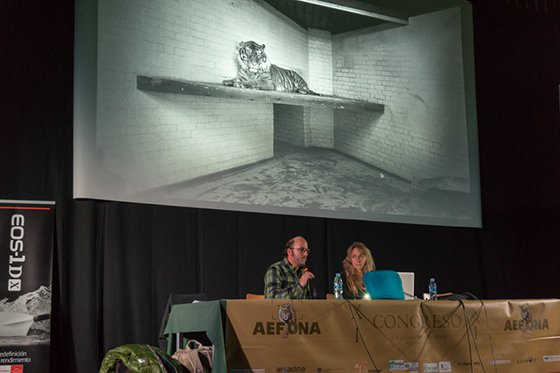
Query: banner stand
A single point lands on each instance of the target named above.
(26, 252)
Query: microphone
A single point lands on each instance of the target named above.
(307, 270)
(311, 287)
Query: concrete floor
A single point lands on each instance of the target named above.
(326, 180)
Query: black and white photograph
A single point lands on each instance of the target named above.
(298, 108)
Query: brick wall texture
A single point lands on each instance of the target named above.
(154, 139)
(417, 73)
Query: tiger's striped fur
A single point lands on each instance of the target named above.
(255, 71)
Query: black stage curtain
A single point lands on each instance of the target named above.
(122, 261)
(116, 263)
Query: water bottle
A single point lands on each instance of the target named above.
(432, 289)
(338, 286)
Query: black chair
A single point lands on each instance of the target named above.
(171, 301)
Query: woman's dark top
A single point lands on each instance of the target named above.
(347, 294)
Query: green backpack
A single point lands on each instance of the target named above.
(139, 358)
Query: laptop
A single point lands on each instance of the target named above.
(407, 279)
(387, 284)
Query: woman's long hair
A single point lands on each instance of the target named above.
(353, 276)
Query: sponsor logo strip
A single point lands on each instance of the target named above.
(500, 362)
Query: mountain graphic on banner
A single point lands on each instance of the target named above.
(30, 305)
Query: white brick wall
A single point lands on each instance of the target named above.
(319, 129)
(154, 139)
(320, 122)
(320, 61)
(289, 124)
(417, 72)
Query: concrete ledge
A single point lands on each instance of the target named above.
(167, 85)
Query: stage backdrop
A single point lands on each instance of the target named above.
(26, 247)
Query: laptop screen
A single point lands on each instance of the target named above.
(388, 284)
(407, 279)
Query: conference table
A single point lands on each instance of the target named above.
(362, 336)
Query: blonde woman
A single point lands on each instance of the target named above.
(357, 262)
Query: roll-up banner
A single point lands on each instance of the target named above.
(26, 249)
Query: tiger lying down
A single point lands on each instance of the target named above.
(255, 71)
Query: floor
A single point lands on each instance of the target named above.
(326, 180)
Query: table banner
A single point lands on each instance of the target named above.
(26, 247)
(393, 336)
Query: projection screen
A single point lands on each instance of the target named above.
(166, 112)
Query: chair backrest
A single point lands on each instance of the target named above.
(254, 296)
(383, 284)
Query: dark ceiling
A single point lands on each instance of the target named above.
(319, 14)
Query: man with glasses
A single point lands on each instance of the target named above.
(288, 278)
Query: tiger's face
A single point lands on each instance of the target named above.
(251, 56)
